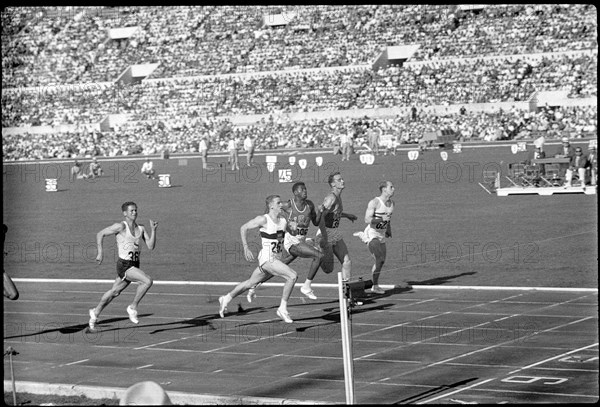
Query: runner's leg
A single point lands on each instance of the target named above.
(341, 252)
(118, 286)
(135, 275)
(278, 268)
(378, 251)
(305, 250)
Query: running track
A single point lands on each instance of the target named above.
(431, 344)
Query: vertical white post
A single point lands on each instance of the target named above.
(346, 343)
(12, 374)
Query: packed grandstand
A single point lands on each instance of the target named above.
(292, 76)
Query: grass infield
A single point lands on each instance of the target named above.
(446, 228)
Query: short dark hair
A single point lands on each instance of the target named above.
(297, 186)
(383, 184)
(127, 205)
(331, 176)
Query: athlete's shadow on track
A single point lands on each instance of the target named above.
(72, 329)
(105, 325)
(441, 280)
(334, 315)
(369, 296)
(440, 389)
(367, 299)
(186, 323)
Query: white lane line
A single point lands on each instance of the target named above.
(300, 374)
(160, 343)
(322, 285)
(456, 391)
(541, 393)
(458, 311)
(505, 342)
(142, 367)
(554, 357)
(74, 363)
(488, 347)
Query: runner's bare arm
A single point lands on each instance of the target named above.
(251, 224)
(111, 230)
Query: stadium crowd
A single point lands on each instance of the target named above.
(228, 39)
(152, 137)
(490, 80)
(464, 57)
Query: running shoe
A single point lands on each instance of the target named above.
(132, 315)
(222, 306)
(93, 319)
(377, 290)
(251, 295)
(308, 292)
(284, 315)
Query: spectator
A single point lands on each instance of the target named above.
(536, 154)
(577, 164)
(592, 160)
(203, 149)
(95, 170)
(232, 148)
(148, 169)
(77, 171)
(249, 147)
(565, 150)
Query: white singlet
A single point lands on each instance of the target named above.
(128, 244)
(378, 231)
(272, 236)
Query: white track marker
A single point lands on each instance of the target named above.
(486, 190)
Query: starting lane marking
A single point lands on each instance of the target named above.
(555, 357)
(579, 359)
(533, 379)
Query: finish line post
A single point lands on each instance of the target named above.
(350, 294)
(346, 342)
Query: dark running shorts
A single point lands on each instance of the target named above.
(124, 265)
